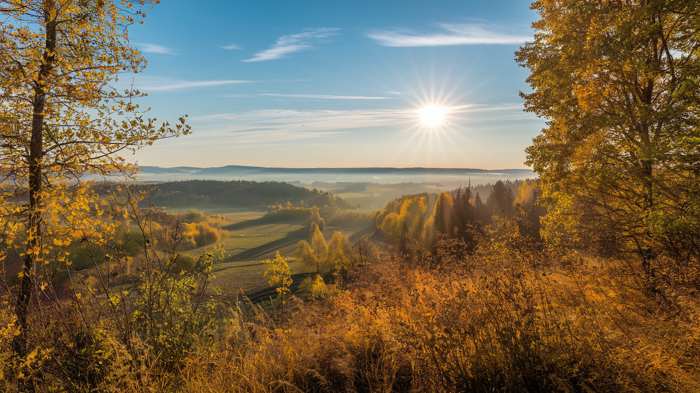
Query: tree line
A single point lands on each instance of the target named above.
(421, 222)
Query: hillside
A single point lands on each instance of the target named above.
(233, 194)
(258, 170)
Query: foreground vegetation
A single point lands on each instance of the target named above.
(498, 321)
(507, 317)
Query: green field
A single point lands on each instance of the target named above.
(233, 277)
(244, 250)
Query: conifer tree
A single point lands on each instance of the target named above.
(500, 201)
(444, 214)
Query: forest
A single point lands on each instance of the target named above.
(240, 194)
(583, 278)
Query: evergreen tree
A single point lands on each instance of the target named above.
(500, 202)
(480, 210)
(444, 214)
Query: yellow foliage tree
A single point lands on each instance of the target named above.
(338, 258)
(319, 247)
(198, 234)
(618, 85)
(61, 119)
(278, 274)
(331, 255)
(306, 254)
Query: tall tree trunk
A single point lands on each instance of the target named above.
(646, 250)
(36, 151)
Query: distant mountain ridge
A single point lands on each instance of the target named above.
(251, 170)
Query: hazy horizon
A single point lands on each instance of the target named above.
(525, 168)
(444, 177)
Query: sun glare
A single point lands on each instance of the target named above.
(433, 116)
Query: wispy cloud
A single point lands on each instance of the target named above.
(279, 125)
(288, 44)
(158, 84)
(147, 47)
(323, 96)
(448, 35)
(231, 47)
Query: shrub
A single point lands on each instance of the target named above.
(86, 254)
(206, 235)
(87, 360)
(316, 287)
(195, 235)
(131, 242)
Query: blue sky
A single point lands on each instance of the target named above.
(337, 83)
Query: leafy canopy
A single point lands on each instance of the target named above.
(619, 158)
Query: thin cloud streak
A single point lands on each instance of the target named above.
(231, 47)
(147, 47)
(183, 84)
(323, 96)
(450, 35)
(292, 43)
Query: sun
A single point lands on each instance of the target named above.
(433, 116)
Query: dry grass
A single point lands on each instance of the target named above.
(503, 320)
(573, 325)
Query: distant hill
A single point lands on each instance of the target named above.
(234, 194)
(252, 170)
(448, 177)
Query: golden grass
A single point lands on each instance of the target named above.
(498, 326)
(503, 320)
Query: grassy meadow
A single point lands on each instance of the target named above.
(243, 250)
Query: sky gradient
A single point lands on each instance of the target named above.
(337, 83)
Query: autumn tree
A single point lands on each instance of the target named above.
(338, 253)
(278, 274)
(403, 220)
(444, 210)
(62, 118)
(500, 201)
(528, 211)
(466, 225)
(315, 251)
(480, 211)
(619, 85)
(315, 219)
(307, 254)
